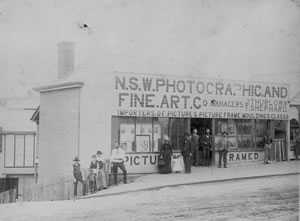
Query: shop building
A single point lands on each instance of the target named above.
(18, 145)
(294, 123)
(85, 112)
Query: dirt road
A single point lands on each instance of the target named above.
(275, 198)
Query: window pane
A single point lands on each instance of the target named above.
(232, 134)
(29, 150)
(9, 150)
(260, 129)
(177, 129)
(127, 133)
(160, 128)
(230, 127)
(221, 125)
(19, 159)
(245, 130)
(144, 134)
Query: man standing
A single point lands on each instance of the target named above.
(187, 153)
(206, 142)
(93, 172)
(195, 142)
(223, 145)
(118, 159)
(267, 146)
(101, 178)
(297, 147)
(77, 176)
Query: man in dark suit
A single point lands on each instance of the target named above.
(206, 143)
(187, 153)
(195, 143)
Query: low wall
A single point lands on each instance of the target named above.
(8, 196)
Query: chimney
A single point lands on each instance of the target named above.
(65, 65)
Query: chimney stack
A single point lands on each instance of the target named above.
(65, 65)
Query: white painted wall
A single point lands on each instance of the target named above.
(58, 143)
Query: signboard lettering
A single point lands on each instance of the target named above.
(243, 156)
(156, 96)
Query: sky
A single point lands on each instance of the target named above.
(231, 39)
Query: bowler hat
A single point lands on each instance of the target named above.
(99, 152)
(76, 159)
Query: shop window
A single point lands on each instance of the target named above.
(245, 133)
(126, 129)
(260, 129)
(143, 135)
(242, 134)
(294, 130)
(160, 128)
(137, 134)
(177, 130)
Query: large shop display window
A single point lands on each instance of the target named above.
(138, 134)
(242, 134)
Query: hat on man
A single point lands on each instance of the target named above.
(224, 132)
(76, 159)
(166, 137)
(99, 152)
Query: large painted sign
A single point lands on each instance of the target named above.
(148, 162)
(179, 97)
(142, 162)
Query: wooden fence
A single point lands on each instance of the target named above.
(279, 151)
(8, 196)
(58, 188)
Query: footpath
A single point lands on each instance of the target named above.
(201, 175)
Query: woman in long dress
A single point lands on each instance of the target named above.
(166, 154)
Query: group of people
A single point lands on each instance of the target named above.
(190, 151)
(96, 176)
(193, 144)
(96, 179)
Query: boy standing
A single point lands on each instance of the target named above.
(93, 174)
(101, 173)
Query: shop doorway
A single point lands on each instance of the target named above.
(201, 124)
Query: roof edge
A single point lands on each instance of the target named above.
(294, 101)
(60, 86)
